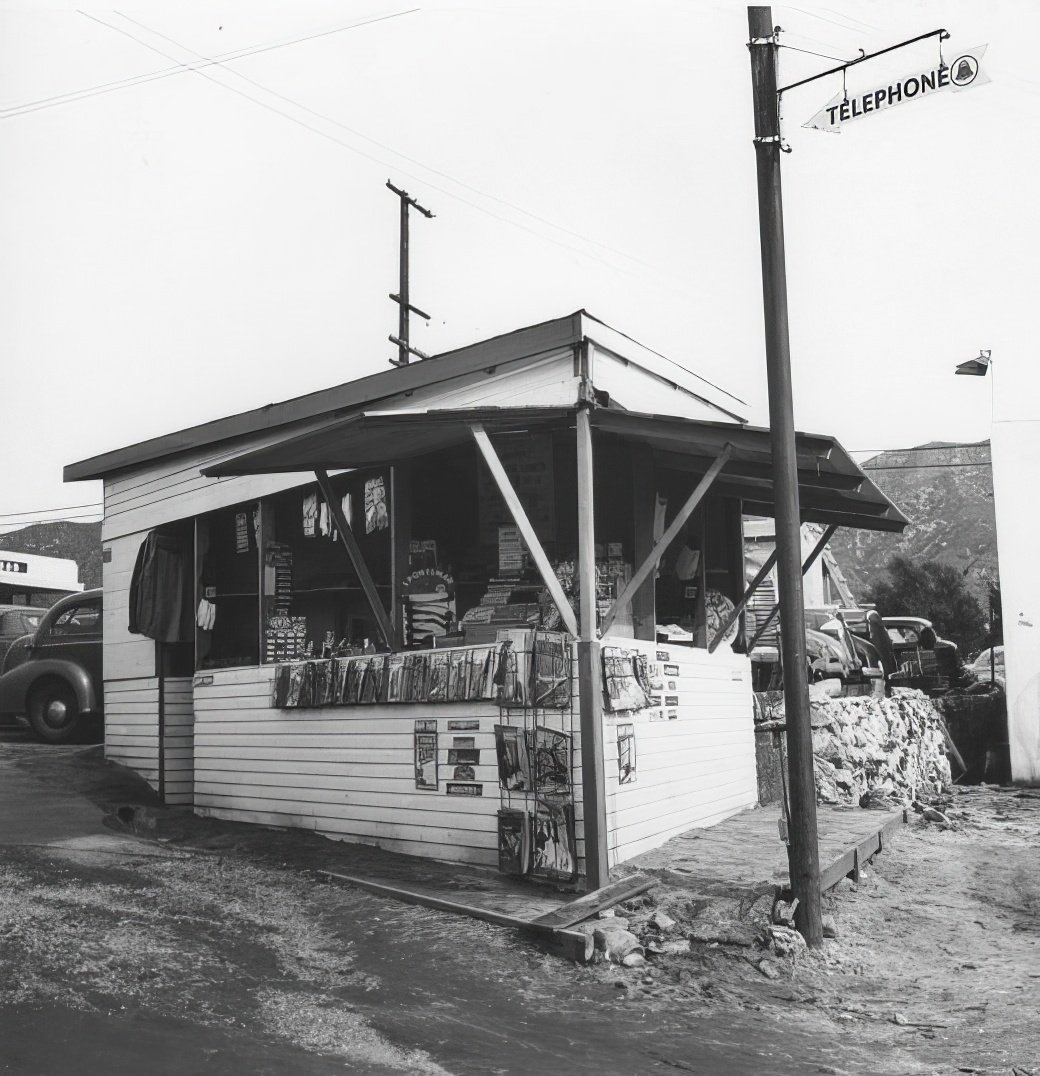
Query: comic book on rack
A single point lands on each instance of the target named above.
(552, 843)
(514, 759)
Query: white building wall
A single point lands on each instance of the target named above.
(348, 772)
(692, 770)
(1016, 475)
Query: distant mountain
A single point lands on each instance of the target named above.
(80, 542)
(946, 491)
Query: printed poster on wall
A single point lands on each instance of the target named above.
(377, 518)
(426, 754)
(626, 752)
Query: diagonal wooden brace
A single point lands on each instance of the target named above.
(516, 509)
(827, 535)
(666, 539)
(744, 599)
(386, 628)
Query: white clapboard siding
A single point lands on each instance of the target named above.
(178, 740)
(692, 771)
(126, 656)
(173, 488)
(132, 726)
(348, 772)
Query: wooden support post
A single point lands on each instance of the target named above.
(644, 503)
(516, 510)
(590, 671)
(804, 851)
(386, 628)
(400, 537)
(650, 563)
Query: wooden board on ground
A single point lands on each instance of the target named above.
(746, 851)
(573, 945)
(585, 907)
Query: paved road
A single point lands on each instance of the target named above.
(472, 998)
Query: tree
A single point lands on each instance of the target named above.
(935, 591)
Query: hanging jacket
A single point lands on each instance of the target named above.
(158, 605)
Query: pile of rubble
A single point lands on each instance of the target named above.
(870, 750)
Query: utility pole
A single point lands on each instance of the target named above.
(803, 846)
(404, 349)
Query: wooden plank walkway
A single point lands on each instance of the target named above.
(741, 856)
(745, 852)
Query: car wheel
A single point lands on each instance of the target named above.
(53, 711)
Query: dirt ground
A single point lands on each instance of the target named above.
(934, 968)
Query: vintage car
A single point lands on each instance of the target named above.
(58, 687)
(16, 622)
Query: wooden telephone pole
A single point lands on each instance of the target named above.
(803, 846)
(404, 348)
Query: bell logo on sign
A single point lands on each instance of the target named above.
(964, 71)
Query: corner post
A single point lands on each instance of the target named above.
(590, 672)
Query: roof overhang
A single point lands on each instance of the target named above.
(488, 358)
(832, 488)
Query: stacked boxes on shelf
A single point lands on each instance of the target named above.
(285, 638)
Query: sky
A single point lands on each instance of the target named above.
(194, 219)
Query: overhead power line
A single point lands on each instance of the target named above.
(180, 68)
(97, 505)
(204, 62)
(375, 142)
(923, 466)
(662, 281)
(87, 517)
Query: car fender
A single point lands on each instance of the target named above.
(17, 685)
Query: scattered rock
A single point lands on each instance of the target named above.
(634, 960)
(784, 941)
(668, 948)
(768, 968)
(830, 928)
(722, 934)
(878, 752)
(783, 912)
(664, 923)
(899, 1018)
(615, 943)
(931, 814)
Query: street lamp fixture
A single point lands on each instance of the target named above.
(976, 367)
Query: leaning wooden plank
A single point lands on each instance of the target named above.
(586, 906)
(852, 858)
(571, 944)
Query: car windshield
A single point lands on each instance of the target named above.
(78, 620)
(19, 623)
